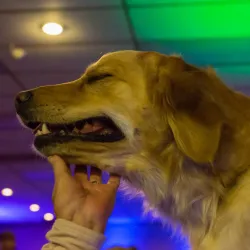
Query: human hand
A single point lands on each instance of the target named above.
(86, 203)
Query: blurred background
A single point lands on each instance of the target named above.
(204, 32)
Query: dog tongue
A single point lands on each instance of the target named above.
(91, 127)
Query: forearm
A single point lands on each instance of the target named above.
(66, 235)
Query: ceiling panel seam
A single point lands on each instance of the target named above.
(130, 24)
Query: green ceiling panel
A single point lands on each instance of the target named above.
(153, 2)
(192, 22)
(206, 52)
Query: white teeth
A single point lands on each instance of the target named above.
(39, 132)
(62, 132)
(106, 132)
(45, 129)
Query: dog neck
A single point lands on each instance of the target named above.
(176, 190)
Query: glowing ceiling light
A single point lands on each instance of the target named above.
(7, 192)
(34, 208)
(52, 29)
(48, 217)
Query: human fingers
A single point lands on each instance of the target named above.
(81, 173)
(114, 180)
(95, 175)
(60, 168)
(61, 174)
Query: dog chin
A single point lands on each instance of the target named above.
(67, 154)
(85, 153)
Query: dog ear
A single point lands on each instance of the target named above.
(183, 93)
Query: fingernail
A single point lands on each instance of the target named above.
(51, 159)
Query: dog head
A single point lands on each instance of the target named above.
(127, 103)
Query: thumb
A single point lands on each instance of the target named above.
(59, 166)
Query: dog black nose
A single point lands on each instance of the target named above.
(23, 97)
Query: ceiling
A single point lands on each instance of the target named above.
(204, 32)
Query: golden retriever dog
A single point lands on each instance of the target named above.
(173, 131)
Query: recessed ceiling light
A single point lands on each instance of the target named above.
(48, 217)
(34, 208)
(7, 192)
(52, 29)
(17, 52)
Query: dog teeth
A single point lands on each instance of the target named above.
(106, 132)
(45, 129)
(62, 132)
(38, 132)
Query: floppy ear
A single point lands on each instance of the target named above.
(191, 112)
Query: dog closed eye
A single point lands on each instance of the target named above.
(95, 78)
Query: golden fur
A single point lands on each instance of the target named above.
(186, 147)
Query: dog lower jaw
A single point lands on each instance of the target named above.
(64, 153)
(82, 152)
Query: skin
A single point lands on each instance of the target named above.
(78, 200)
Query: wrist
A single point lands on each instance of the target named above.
(97, 226)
